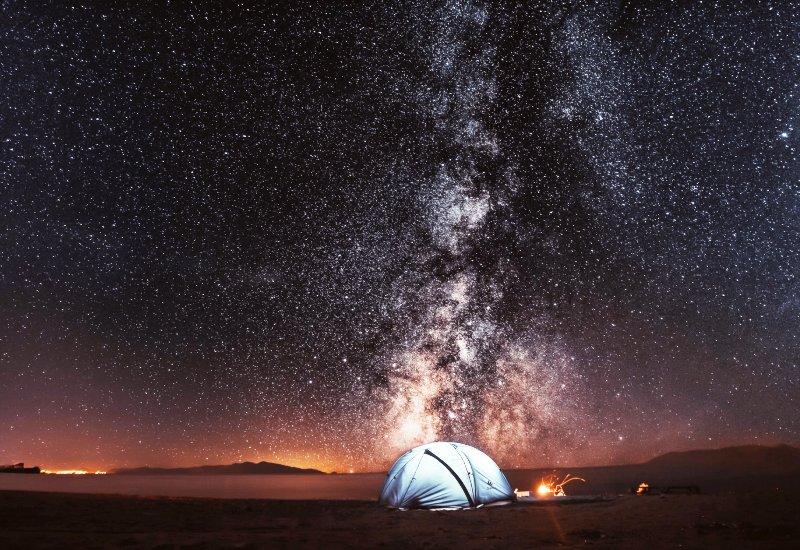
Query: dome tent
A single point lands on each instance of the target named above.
(444, 475)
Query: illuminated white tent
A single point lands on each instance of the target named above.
(444, 475)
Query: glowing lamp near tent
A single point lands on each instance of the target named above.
(444, 475)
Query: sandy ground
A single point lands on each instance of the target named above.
(767, 519)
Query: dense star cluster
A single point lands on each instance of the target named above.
(318, 234)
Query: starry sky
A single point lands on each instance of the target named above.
(321, 233)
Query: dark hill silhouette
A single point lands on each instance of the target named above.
(740, 461)
(242, 468)
(731, 468)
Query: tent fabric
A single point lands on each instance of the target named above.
(444, 475)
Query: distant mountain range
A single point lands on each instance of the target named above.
(751, 462)
(242, 468)
(743, 467)
(742, 461)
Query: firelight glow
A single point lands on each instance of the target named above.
(543, 490)
(550, 486)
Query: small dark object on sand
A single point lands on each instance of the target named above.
(645, 489)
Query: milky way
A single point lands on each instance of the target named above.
(460, 374)
(562, 232)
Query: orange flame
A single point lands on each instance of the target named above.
(550, 486)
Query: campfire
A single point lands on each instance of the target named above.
(550, 486)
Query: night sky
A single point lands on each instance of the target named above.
(319, 234)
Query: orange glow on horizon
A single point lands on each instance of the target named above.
(73, 472)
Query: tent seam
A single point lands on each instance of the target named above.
(413, 477)
(471, 471)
